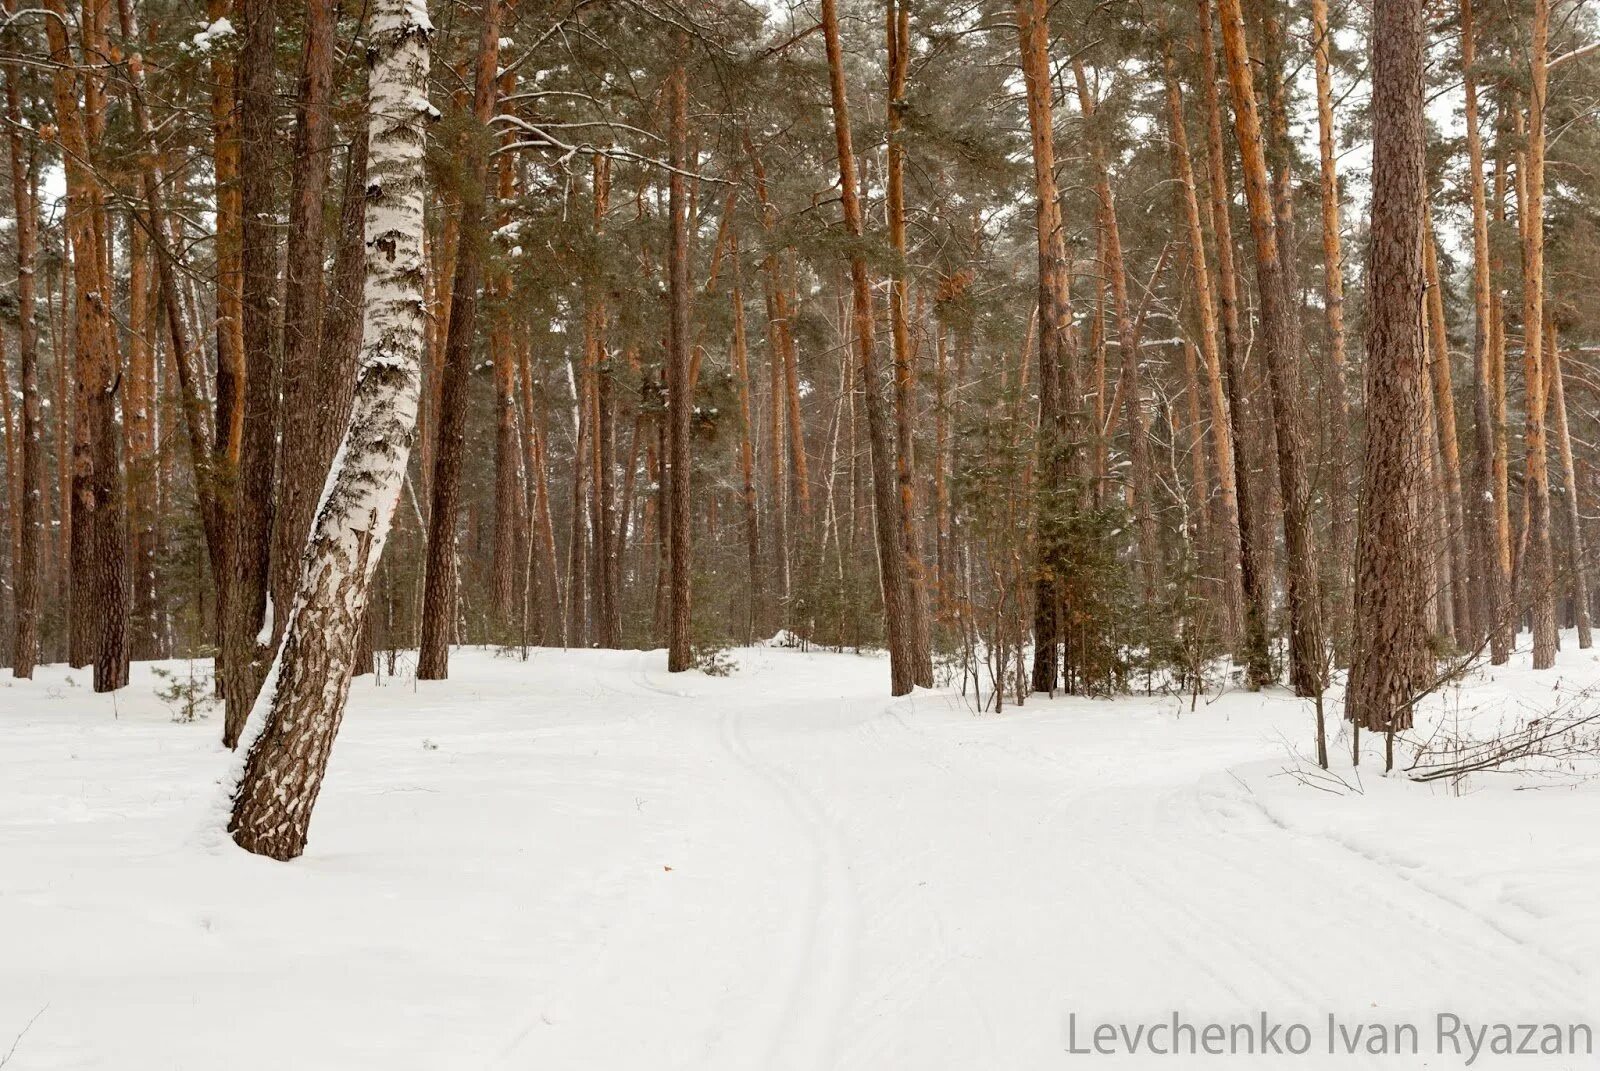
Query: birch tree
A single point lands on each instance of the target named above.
(291, 728)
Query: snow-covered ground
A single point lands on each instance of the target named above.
(579, 862)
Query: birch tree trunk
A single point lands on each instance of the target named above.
(297, 714)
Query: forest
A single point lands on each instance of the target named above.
(1046, 347)
(850, 533)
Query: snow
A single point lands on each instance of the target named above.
(580, 861)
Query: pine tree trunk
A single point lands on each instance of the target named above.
(1444, 409)
(98, 568)
(1054, 317)
(1210, 347)
(899, 48)
(747, 485)
(1540, 574)
(1255, 561)
(1341, 505)
(891, 558)
(680, 403)
(1389, 655)
(254, 482)
(1129, 387)
(608, 606)
(1491, 587)
(300, 477)
(1569, 475)
(440, 582)
(297, 715)
(30, 520)
(1281, 342)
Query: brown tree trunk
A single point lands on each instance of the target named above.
(30, 520)
(608, 604)
(98, 568)
(680, 403)
(300, 476)
(1054, 317)
(1491, 588)
(1444, 410)
(1569, 475)
(891, 558)
(899, 48)
(1255, 561)
(1280, 338)
(1210, 345)
(1540, 574)
(439, 584)
(747, 485)
(1390, 653)
(254, 483)
(1341, 505)
(1138, 429)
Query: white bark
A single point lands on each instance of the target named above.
(291, 728)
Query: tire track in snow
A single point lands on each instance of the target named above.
(817, 985)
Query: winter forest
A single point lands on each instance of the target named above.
(819, 511)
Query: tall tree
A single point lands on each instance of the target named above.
(24, 186)
(886, 500)
(680, 402)
(439, 587)
(249, 551)
(1056, 341)
(1389, 654)
(98, 567)
(1281, 342)
(300, 476)
(1540, 572)
(297, 715)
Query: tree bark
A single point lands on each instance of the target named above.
(680, 403)
(891, 559)
(98, 568)
(300, 476)
(439, 584)
(254, 482)
(1389, 654)
(1491, 593)
(1280, 338)
(899, 49)
(1540, 574)
(1216, 398)
(1255, 562)
(30, 520)
(1341, 505)
(1569, 475)
(1056, 346)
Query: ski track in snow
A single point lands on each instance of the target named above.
(582, 862)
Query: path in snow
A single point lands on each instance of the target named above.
(581, 862)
